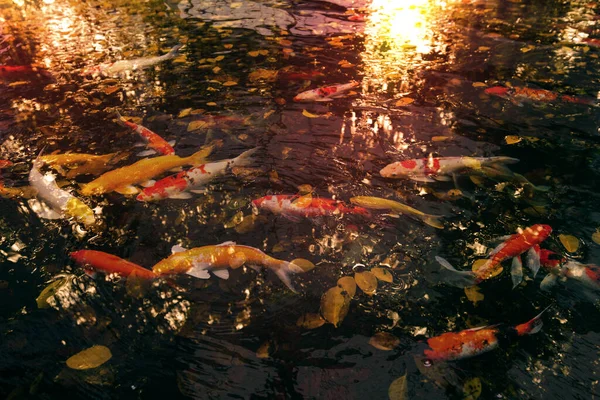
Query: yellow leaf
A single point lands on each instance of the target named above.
(184, 113)
(310, 321)
(111, 89)
(304, 265)
(263, 52)
(309, 115)
(384, 341)
(335, 304)
(511, 139)
(483, 48)
(230, 83)
(268, 114)
(472, 389)
(479, 84)
(51, 290)
(265, 349)
(596, 237)
(404, 101)
(305, 189)
(303, 201)
(570, 242)
(478, 263)
(383, 274)
(348, 284)
(219, 58)
(263, 74)
(195, 125)
(440, 138)
(254, 53)
(473, 294)
(212, 103)
(527, 48)
(366, 281)
(398, 389)
(478, 180)
(228, 45)
(216, 70)
(90, 358)
(285, 42)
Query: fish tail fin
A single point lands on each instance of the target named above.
(434, 220)
(174, 52)
(245, 159)
(501, 160)
(532, 326)
(200, 156)
(284, 270)
(461, 279)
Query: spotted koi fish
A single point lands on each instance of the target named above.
(121, 66)
(527, 240)
(562, 267)
(473, 342)
(180, 185)
(93, 261)
(156, 143)
(197, 262)
(326, 93)
(519, 94)
(439, 168)
(295, 207)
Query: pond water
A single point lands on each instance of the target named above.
(454, 78)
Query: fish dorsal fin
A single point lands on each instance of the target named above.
(221, 273)
(482, 327)
(228, 243)
(177, 249)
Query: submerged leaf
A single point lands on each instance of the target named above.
(479, 263)
(305, 189)
(303, 201)
(348, 284)
(472, 389)
(596, 237)
(303, 264)
(473, 294)
(398, 389)
(50, 290)
(383, 274)
(310, 321)
(404, 101)
(265, 349)
(512, 139)
(570, 242)
(90, 358)
(384, 341)
(479, 84)
(335, 304)
(366, 281)
(309, 115)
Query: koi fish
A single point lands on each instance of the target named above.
(527, 240)
(197, 262)
(121, 66)
(291, 75)
(519, 94)
(82, 164)
(19, 72)
(121, 180)
(5, 164)
(156, 143)
(594, 42)
(55, 203)
(295, 207)
(587, 274)
(93, 260)
(179, 185)
(473, 342)
(377, 203)
(326, 93)
(439, 168)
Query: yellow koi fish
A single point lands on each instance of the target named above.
(121, 180)
(198, 261)
(377, 203)
(82, 164)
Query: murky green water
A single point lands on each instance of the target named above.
(422, 68)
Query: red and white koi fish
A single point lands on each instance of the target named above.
(197, 262)
(156, 143)
(473, 342)
(526, 240)
(179, 185)
(21, 72)
(295, 207)
(326, 93)
(519, 94)
(562, 267)
(439, 168)
(594, 42)
(93, 260)
(121, 66)
(5, 164)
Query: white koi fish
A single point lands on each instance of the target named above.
(121, 66)
(55, 203)
(180, 185)
(326, 93)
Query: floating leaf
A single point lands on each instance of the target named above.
(383, 274)
(404, 101)
(512, 139)
(472, 389)
(254, 53)
(384, 341)
(230, 83)
(483, 48)
(478, 180)
(51, 290)
(305, 189)
(248, 224)
(195, 125)
(303, 201)
(398, 389)
(366, 281)
(268, 114)
(479, 84)
(265, 349)
(473, 294)
(212, 103)
(90, 358)
(479, 263)
(335, 304)
(310, 321)
(596, 237)
(348, 284)
(440, 138)
(184, 113)
(111, 89)
(570, 242)
(309, 115)
(303, 264)
(262, 75)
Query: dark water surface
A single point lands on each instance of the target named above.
(423, 67)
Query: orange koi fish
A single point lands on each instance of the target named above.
(527, 240)
(5, 164)
(295, 207)
(156, 143)
(519, 94)
(326, 93)
(198, 261)
(473, 342)
(93, 260)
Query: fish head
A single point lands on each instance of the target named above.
(309, 95)
(401, 169)
(497, 91)
(271, 203)
(79, 256)
(541, 232)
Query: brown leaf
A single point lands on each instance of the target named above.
(335, 304)
(473, 294)
(384, 341)
(383, 274)
(348, 284)
(570, 242)
(90, 358)
(366, 281)
(303, 264)
(310, 321)
(404, 101)
(262, 75)
(305, 189)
